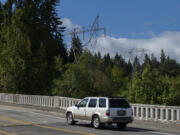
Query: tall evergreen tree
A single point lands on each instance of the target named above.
(107, 60)
(76, 49)
(146, 60)
(41, 27)
(99, 55)
(162, 57)
(128, 68)
(136, 65)
(154, 62)
(14, 56)
(119, 61)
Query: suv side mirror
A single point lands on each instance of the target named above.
(76, 105)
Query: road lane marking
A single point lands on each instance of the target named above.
(16, 121)
(47, 127)
(64, 130)
(6, 133)
(45, 115)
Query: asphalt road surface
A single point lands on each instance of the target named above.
(27, 121)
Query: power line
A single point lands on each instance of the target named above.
(92, 30)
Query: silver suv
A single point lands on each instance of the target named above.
(101, 110)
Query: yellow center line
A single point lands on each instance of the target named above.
(64, 130)
(6, 133)
(47, 127)
(14, 120)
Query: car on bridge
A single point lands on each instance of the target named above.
(101, 110)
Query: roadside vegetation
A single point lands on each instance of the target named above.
(34, 60)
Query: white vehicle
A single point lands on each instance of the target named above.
(101, 110)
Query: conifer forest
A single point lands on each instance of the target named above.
(34, 60)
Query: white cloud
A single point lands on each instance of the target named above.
(68, 24)
(168, 41)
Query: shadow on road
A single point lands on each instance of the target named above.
(114, 128)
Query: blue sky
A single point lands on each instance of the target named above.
(149, 24)
(125, 18)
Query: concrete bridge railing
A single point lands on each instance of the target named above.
(156, 113)
(36, 100)
(140, 111)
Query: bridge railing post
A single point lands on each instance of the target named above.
(172, 115)
(152, 113)
(147, 113)
(178, 115)
(138, 112)
(156, 114)
(162, 114)
(142, 113)
(56, 102)
(167, 114)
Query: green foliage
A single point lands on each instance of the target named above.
(30, 39)
(33, 60)
(82, 79)
(149, 88)
(14, 55)
(13, 63)
(118, 81)
(174, 93)
(76, 49)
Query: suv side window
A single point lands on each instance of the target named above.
(102, 103)
(92, 103)
(83, 103)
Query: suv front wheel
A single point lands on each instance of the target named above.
(70, 119)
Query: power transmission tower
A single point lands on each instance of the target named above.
(139, 53)
(92, 30)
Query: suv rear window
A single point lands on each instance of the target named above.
(118, 103)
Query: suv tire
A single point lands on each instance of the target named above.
(121, 126)
(96, 123)
(70, 119)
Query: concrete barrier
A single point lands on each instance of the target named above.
(140, 111)
(156, 113)
(36, 100)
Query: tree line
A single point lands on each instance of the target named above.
(34, 60)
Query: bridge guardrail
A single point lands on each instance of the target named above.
(140, 111)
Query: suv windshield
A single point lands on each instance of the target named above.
(118, 103)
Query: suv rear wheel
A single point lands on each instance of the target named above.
(70, 119)
(121, 126)
(96, 123)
